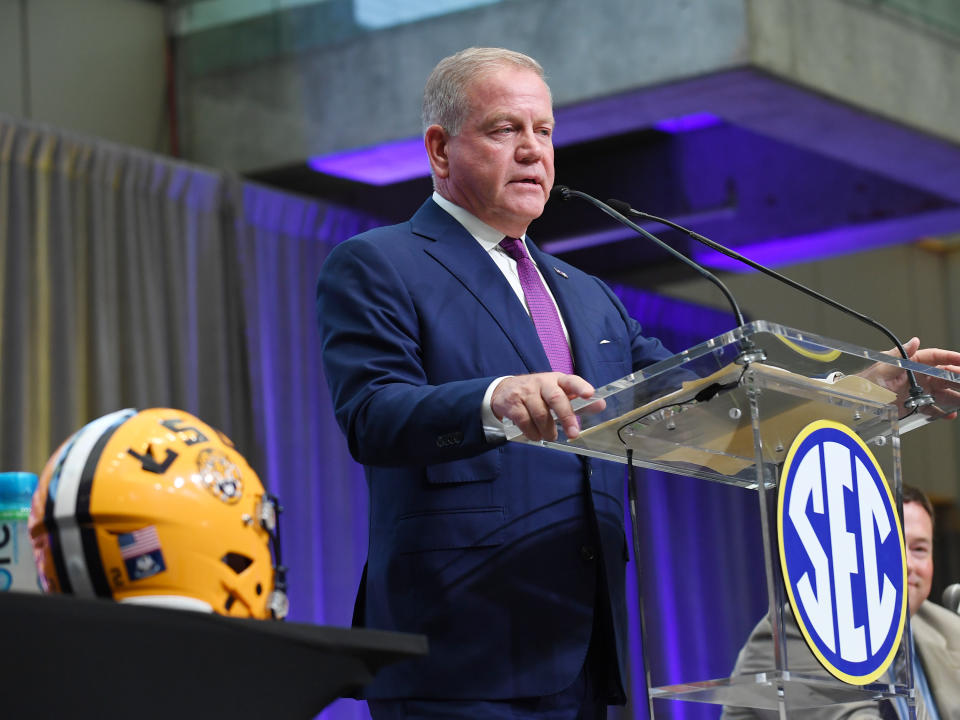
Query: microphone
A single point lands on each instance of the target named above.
(566, 193)
(951, 597)
(748, 351)
(918, 398)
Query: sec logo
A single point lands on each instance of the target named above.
(841, 552)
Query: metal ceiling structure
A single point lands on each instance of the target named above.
(753, 162)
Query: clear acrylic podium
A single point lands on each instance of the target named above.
(728, 410)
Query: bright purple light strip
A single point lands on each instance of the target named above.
(830, 243)
(382, 164)
(687, 123)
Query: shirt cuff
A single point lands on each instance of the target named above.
(493, 429)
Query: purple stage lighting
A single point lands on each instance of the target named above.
(383, 164)
(777, 252)
(687, 123)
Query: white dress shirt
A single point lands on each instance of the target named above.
(489, 239)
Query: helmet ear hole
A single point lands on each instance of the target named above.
(236, 562)
(259, 589)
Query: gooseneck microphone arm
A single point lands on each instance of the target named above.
(566, 193)
(918, 398)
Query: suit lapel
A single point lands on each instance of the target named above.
(462, 256)
(941, 664)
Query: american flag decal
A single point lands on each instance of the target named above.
(141, 552)
(139, 542)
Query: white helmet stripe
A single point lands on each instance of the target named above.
(65, 502)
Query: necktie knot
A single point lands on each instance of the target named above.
(514, 248)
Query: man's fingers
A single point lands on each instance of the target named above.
(936, 356)
(575, 386)
(532, 401)
(556, 398)
(519, 399)
(529, 429)
(539, 409)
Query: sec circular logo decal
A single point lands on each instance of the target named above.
(841, 552)
(810, 349)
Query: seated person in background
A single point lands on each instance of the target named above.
(936, 636)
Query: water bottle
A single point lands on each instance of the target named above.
(17, 570)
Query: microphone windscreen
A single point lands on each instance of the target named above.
(951, 597)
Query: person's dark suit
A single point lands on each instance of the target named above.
(489, 548)
(936, 634)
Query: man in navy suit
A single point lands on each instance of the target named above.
(510, 558)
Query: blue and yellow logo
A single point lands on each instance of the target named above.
(810, 349)
(841, 552)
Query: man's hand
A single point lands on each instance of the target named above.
(527, 400)
(893, 378)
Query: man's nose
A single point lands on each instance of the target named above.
(529, 148)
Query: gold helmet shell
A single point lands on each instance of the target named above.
(157, 507)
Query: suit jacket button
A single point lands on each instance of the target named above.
(450, 439)
(588, 553)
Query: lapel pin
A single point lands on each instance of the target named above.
(560, 272)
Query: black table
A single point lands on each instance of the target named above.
(65, 657)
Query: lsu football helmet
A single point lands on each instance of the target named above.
(156, 507)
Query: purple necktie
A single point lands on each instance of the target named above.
(542, 309)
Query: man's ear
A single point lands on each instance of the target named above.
(435, 140)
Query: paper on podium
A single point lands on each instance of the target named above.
(706, 422)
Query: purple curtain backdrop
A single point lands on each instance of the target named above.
(695, 534)
(299, 450)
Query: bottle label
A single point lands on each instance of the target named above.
(17, 570)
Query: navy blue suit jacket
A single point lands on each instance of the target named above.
(491, 549)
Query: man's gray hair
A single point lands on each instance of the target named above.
(445, 96)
